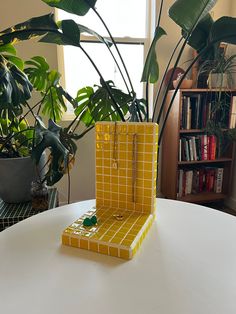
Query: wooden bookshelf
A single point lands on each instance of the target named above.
(170, 164)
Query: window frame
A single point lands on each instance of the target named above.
(145, 41)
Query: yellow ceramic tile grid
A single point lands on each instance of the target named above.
(126, 165)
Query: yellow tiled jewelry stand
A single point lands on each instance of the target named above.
(126, 165)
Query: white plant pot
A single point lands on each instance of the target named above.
(218, 80)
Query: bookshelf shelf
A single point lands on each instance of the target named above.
(191, 131)
(203, 197)
(218, 160)
(194, 166)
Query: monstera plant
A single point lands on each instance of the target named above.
(104, 102)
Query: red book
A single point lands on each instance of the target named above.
(212, 147)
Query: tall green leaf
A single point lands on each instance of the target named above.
(70, 35)
(79, 7)
(200, 35)
(224, 29)
(186, 13)
(151, 67)
(32, 28)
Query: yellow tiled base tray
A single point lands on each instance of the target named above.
(126, 167)
(119, 238)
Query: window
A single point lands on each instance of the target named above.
(128, 23)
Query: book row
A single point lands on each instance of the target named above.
(198, 110)
(194, 148)
(200, 180)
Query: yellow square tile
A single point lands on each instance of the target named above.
(107, 171)
(116, 240)
(65, 240)
(149, 148)
(114, 188)
(122, 138)
(122, 181)
(103, 249)
(148, 157)
(147, 184)
(99, 153)
(93, 246)
(114, 180)
(113, 251)
(141, 129)
(122, 172)
(126, 242)
(122, 155)
(148, 166)
(150, 129)
(114, 203)
(83, 244)
(124, 254)
(149, 139)
(123, 147)
(74, 242)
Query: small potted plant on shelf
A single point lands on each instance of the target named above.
(220, 71)
(108, 102)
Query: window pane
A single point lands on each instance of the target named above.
(123, 18)
(80, 73)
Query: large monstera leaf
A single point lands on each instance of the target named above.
(151, 67)
(79, 7)
(15, 87)
(9, 53)
(186, 13)
(32, 28)
(97, 105)
(50, 138)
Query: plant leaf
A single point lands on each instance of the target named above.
(37, 72)
(79, 7)
(200, 35)
(186, 13)
(50, 138)
(16, 61)
(224, 30)
(8, 48)
(98, 106)
(32, 28)
(71, 30)
(151, 67)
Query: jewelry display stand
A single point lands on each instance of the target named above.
(126, 168)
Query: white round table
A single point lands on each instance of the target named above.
(186, 265)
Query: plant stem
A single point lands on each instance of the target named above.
(173, 97)
(177, 62)
(162, 82)
(104, 84)
(52, 102)
(147, 100)
(121, 59)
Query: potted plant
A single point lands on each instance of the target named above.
(220, 71)
(91, 106)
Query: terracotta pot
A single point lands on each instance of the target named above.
(186, 84)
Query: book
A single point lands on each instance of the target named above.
(232, 123)
(219, 180)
